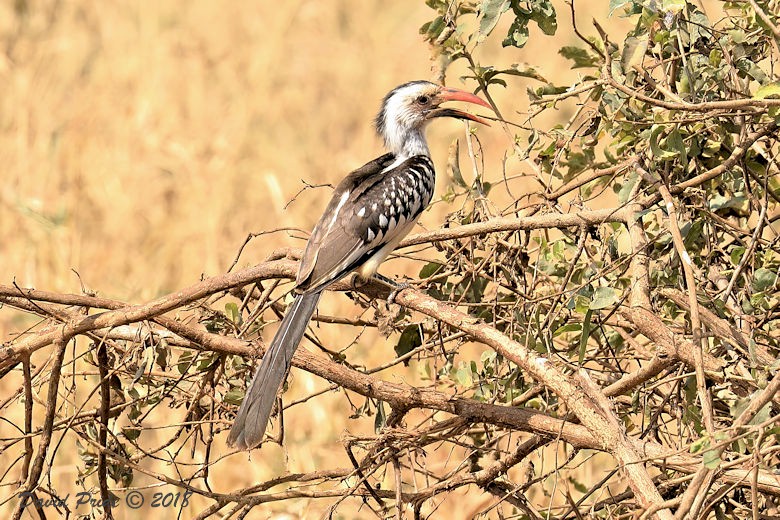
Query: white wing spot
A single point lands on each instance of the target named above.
(362, 212)
(373, 206)
(370, 235)
(382, 221)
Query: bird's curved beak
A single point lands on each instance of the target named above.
(453, 94)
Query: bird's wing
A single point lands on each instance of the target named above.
(367, 209)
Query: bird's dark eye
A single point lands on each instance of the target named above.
(423, 100)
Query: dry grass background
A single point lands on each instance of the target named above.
(141, 142)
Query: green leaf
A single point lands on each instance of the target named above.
(579, 486)
(231, 310)
(163, 353)
(751, 69)
(699, 444)
(579, 56)
(425, 371)
(762, 415)
(674, 141)
(463, 375)
(523, 70)
(767, 91)
(569, 327)
(184, 362)
(582, 303)
(741, 404)
(736, 255)
(764, 279)
(603, 297)
(540, 11)
(234, 396)
(655, 147)
(131, 433)
(518, 34)
(627, 187)
(585, 334)
(634, 50)
(715, 57)
(673, 6)
(433, 29)
(430, 269)
(718, 202)
(737, 36)
(380, 420)
(410, 339)
(449, 195)
(711, 459)
(544, 15)
(206, 362)
(617, 4)
(490, 12)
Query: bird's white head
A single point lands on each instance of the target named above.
(408, 108)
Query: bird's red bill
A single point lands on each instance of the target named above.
(453, 94)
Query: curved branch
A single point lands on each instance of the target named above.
(408, 397)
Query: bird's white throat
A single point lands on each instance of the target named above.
(407, 144)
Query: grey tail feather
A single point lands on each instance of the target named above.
(252, 418)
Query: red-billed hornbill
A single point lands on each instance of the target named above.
(372, 209)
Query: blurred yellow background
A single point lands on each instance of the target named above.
(141, 142)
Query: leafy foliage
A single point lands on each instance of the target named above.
(675, 103)
(632, 237)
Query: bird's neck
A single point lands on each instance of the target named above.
(405, 143)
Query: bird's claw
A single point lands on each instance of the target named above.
(395, 287)
(398, 287)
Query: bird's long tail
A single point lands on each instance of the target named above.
(252, 419)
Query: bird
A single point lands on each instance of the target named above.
(369, 213)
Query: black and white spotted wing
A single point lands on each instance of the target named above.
(371, 209)
(399, 197)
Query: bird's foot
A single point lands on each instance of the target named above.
(398, 288)
(395, 287)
